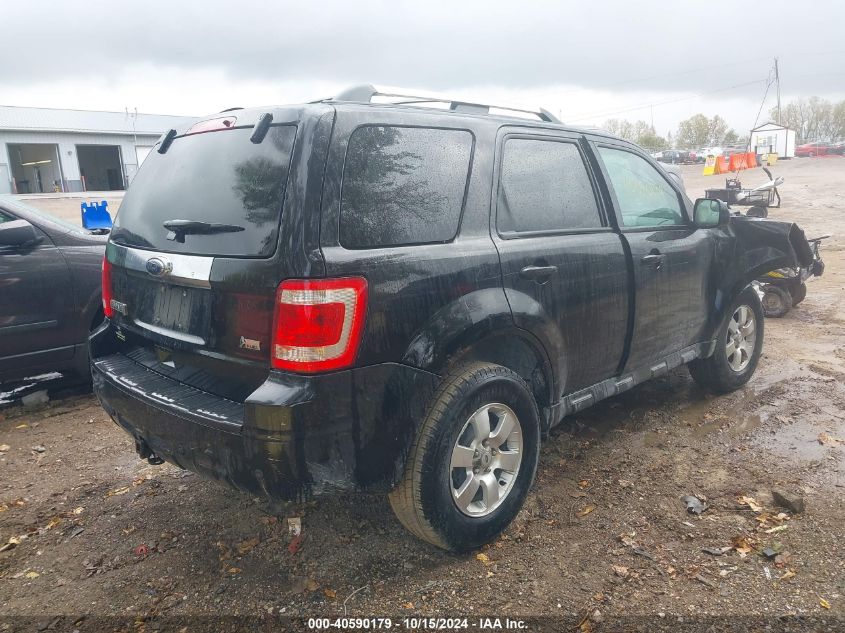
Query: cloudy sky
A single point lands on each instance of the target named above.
(586, 61)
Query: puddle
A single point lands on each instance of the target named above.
(730, 427)
(800, 440)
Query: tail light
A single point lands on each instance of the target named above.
(107, 309)
(212, 125)
(318, 324)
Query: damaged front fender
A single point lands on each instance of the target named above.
(757, 247)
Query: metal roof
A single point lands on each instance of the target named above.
(87, 121)
(770, 125)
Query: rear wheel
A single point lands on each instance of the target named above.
(473, 460)
(757, 211)
(739, 343)
(776, 301)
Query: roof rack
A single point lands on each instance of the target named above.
(364, 93)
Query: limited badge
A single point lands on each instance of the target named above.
(250, 343)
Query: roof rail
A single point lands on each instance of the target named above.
(364, 93)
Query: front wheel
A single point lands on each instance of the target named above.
(739, 344)
(473, 460)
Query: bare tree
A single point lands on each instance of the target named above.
(814, 119)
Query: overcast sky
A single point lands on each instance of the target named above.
(586, 61)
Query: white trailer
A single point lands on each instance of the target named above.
(773, 138)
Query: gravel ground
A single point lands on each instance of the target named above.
(603, 538)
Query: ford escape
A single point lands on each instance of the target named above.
(388, 296)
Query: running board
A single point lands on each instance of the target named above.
(583, 398)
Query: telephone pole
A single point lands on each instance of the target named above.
(777, 83)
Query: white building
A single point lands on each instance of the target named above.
(773, 138)
(44, 149)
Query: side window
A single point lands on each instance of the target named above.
(544, 186)
(4, 217)
(403, 185)
(644, 196)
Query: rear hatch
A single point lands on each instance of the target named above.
(194, 257)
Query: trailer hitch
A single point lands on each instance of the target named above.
(145, 452)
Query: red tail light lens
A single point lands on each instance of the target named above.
(318, 324)
(107, 309)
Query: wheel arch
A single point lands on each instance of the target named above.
(479, 326)
(516, 350)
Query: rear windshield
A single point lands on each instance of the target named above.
(217, 178)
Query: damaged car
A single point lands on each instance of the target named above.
(49, 293)
(353, 295)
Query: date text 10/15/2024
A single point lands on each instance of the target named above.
(417, 623)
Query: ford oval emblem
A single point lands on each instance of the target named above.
(157, 266)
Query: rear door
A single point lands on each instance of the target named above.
(671, 258)
(564, 268)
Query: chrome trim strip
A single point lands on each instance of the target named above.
(163, 331)
(186, 270)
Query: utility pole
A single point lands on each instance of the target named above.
(777, 83)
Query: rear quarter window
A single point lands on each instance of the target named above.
(403, 185)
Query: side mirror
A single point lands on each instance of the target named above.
(18, 234)
(709, 213)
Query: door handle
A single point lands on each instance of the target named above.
(538, 273)
(653, 261)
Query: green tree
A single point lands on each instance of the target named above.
(702, 131)
(638, 132)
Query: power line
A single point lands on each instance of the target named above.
(659, 103)
(664, 75)
(796, 54)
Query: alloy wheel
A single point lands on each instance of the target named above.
(741, 337)
(485, 460)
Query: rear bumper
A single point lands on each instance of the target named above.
(294, 437)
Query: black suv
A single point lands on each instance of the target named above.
(344, 294)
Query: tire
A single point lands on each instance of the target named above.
(776, 301)
(798, 293)
(426, 500)
(720, 373)
(757, 212)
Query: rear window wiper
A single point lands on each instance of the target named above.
(180, 228)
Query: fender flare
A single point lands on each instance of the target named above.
(469, 323)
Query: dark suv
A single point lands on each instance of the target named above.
(342, 295)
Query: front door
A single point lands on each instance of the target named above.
(670, 257)
(563, 266)
(36, 304)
